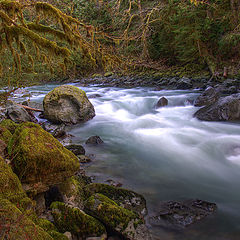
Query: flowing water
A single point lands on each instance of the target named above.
(164, 154)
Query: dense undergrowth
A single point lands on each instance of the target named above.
(179, 37)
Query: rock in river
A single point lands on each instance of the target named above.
(94, 140)
(67, 104)
(162, 102)
(209, 96)
(182, 214)
(225, 109)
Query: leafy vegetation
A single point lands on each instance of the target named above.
(81, 37)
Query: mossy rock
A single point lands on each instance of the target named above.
(39, 159)
(9, 124)
(72, 190)
(116, 217)
(74, 220)
(67, 104)
(11, 188)
(123, 197)
(5, 134)
(50, 229)
(17, 225)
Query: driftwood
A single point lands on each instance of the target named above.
(30, 108)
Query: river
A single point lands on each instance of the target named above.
(164, 154)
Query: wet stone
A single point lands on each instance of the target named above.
(183, 214)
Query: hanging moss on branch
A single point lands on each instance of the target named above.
(28, 25)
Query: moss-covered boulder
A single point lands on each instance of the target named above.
(11, 188)
(74, 220)
(123, 197)
(67, 104)
(16, 225)
(9, 124)
(5, 134)
(51, 229)
(116, 217)
(39, 159)
(3, 147)
(72, 190)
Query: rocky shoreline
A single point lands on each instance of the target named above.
(43, 184)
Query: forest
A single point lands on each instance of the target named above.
(85, 37)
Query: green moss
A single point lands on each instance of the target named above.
(17, 225)
(46, 225)
(74, 220)
(57, 235)
(11, 188)
(5, 134)
(124, 197)
(111, 214)
(66, 90)
(72, 190)
(9, 124)
(39, 159)
(50, 229)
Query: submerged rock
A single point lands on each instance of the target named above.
(74, 220)
(123, 197)
(67, 104)
(39, 159)
(162, 102)
(209, 96)
(117, 218)
(182, 214)
(94, 140)
(77, 149)
(225, 109)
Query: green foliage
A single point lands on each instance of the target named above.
(190, 33)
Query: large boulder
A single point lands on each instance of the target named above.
(209, 96)
(123, 197)
(67, 104)
(117, 218)
(39, 159)
(74, 220)
(225, 109)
